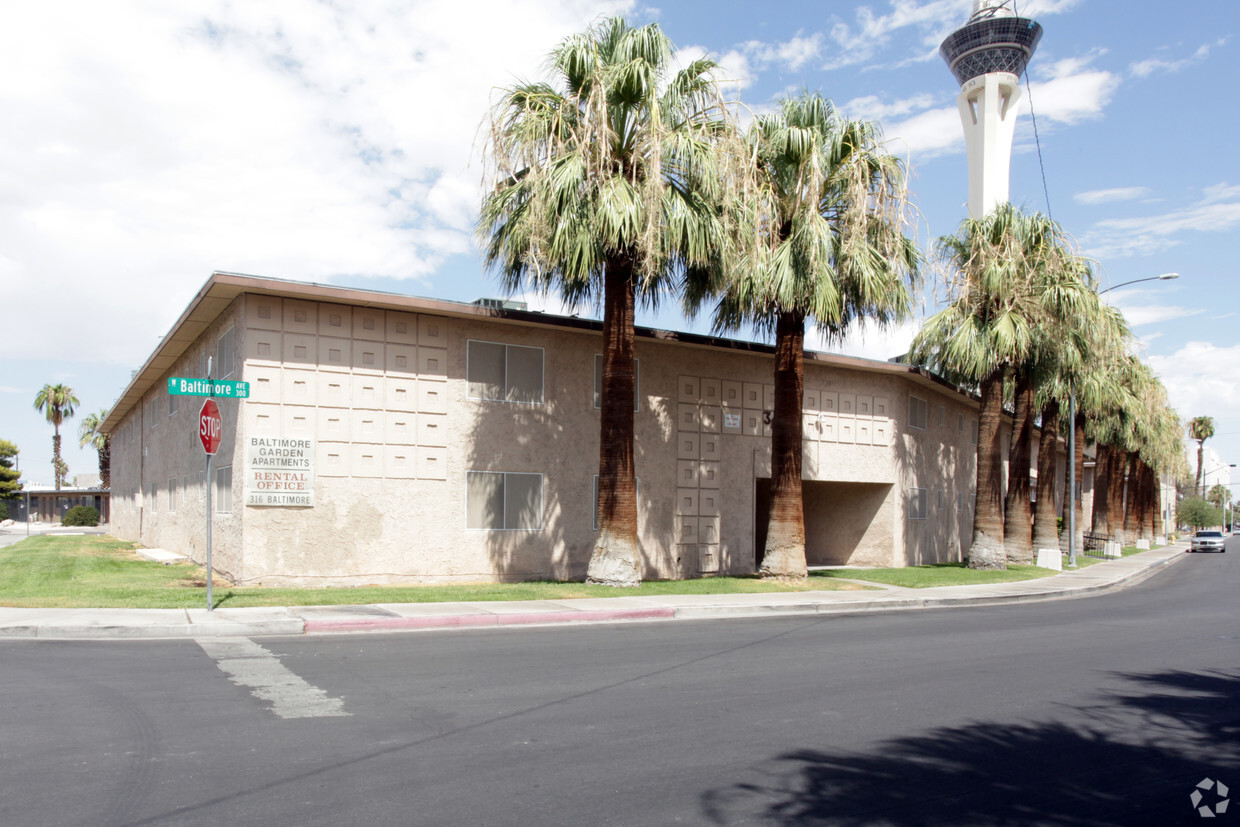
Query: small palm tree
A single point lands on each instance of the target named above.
(606, 187)
(1200, 428)
(89, 434)
(57, 403)
(824, 239)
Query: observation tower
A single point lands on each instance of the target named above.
(988, 55)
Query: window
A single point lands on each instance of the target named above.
(938, 496)
(223, 490)
(973, 431)
(496, 501)
(172, 495)
(917, 413)
(917, 504)
(224, 355)
(598, 382)
(962, 501)
(152, 412)
(638, 490)
(172, 405)
(942, 416)
(504, 373)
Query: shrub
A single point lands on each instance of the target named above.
(4, 511)
(81, 515)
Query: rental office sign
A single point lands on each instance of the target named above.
(279, 471)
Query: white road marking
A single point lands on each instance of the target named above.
(250, 665)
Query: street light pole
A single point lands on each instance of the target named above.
(1071, 498)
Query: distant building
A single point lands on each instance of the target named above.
(388, 438)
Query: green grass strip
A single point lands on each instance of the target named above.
(91, 571)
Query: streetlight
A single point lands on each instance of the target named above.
(1072, 433)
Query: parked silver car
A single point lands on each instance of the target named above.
(1209, 541)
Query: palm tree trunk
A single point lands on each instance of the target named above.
(1045, 515)
(1115, 493)
(105, 464)
(616, 560)
(1074, 502)
(1017, 528)
(56, 457)
(1200, 486)
(784, 555)
(986, 550)
(1156, 502)
(1132, 512)
(1102, 474)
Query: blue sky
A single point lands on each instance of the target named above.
(145, 145)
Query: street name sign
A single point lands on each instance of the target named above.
(210, 427)
(184, 386)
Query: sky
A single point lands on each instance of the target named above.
(146, 144)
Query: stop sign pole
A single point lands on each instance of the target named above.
(210, 429)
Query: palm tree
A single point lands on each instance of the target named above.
(989, 329)
(89, 434)
(1200, 428)
(823, 238)
(57, 403)
(607, 186)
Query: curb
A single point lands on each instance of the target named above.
(475, 620)
(199, 624)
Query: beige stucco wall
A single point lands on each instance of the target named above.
(384, 396)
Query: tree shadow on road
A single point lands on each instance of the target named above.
(1135, 760)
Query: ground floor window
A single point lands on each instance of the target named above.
(223, 489)
(918, 503)
(503, 500)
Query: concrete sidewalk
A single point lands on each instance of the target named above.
(76, 624)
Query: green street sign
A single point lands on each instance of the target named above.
(182, 386)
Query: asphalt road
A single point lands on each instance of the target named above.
(1105, 710)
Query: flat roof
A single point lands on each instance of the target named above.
(222, 288)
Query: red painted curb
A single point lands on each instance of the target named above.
(451, 621)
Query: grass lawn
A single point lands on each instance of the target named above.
(939, 574)
(91, 571)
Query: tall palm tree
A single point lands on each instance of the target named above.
(823, 238)
(89, 434)
(1200, 428)
(57, 403)
(607, 185)
(989, 328)
(1067, 335)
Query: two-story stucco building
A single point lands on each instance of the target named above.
(388, 438)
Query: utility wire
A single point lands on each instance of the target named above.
(1036, 140)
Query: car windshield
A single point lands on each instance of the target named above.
(1209, 534)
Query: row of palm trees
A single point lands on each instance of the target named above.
(626, 180)
(59, 402)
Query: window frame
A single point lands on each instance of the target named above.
(925, 413)
(542, 384)
(918, 503)
(217, 503)
(231, 335)
(542, 500)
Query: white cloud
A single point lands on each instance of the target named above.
(1109, 196)
(310, 141)
(867, 340)
(1074, 92)
(1142, 314)
(1119, 237)
(1160, 65)
(1199, 383)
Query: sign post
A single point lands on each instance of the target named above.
(210, 429)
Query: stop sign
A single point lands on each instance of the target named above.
(210, 426)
